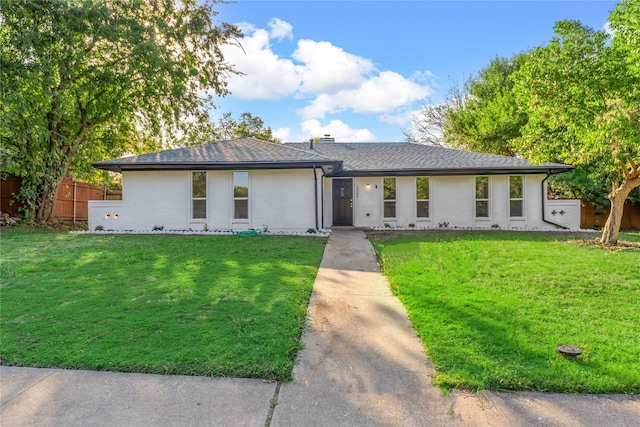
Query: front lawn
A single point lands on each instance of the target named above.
(218, 306)
(491, 307)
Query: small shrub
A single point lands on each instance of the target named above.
(99, 228)
(443, 224)
(205, 227)
(387, 225)
(158, 228)
(412, 225)
(311, 230)
(265, 228)
(495, 226)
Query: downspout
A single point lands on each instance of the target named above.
(544, 204)
(322, 199)
(315, 189)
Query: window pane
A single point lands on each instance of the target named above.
(241, 184)
(389, 209)
(515, 187)
(198, 184)
(482, 209)
(422, 209)
(515, 208)
(199, 209)
(422, 188)
(241, 210)
(390, 189)
(482, 187)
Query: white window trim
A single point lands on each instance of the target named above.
(390, 218)
(415, 193)
(488, 199)
(522, 199)
(235, 220)
(205, 198)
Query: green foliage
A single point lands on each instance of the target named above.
(491, 307)
(216, 306)
(248, 125)
(84, 81)
(625, 21)
(581, 93)
(489, 119)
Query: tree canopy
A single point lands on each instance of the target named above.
(575, 100)
(581, 93)
(489, 119)
(90, 80)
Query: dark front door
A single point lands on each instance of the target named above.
(342, 202)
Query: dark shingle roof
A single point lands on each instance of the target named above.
(336, 159)
(241, 152)
(397, 158)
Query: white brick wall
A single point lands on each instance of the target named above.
(284, 200)
(452, 201)
(149, 199)
(278, 199)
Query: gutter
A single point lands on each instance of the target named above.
(446, 172)
(544, 200)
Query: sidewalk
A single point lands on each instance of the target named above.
(362, 365)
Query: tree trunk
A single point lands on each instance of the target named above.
(50, 187)
(611, 230)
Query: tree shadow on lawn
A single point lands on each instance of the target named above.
(231, 309)
(502, 356)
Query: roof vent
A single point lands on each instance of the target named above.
(327, 138)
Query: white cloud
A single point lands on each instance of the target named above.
(402, 118)
(328, 69)
(282, 133)
(377, 95)
(280, 29)
(266, 75)
(337, 129)
(322, 76)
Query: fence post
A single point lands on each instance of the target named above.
(75, 196)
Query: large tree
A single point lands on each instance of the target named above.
(582, 94)
(490, 118)
(85, 80)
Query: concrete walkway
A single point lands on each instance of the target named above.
(362, 365)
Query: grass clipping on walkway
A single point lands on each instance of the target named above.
(216, 306)
(491, 308)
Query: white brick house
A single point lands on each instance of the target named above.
(247, 184)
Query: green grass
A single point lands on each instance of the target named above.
(217, 306)
(491, 307)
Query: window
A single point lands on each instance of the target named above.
(241, 195)
(482, 197)
(389, 186)
(515, 196)
(198, 195)
(422, 197)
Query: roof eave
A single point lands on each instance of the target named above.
(119, 167)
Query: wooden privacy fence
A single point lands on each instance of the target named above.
(9, 187)
(592, 217)
(72, 200)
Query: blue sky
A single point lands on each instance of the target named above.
(358, 70)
